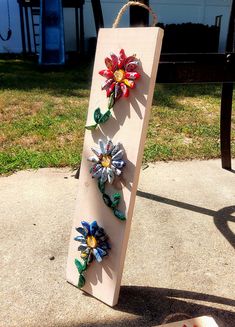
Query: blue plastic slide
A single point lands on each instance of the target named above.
(52, 50)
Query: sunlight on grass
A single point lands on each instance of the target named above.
(43, 113)
(185, 123)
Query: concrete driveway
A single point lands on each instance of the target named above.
(180, 261)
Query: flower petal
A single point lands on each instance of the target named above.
(102, 146)
(107, 84)
(118, 164)
(131, 66)
(115, 149)
(117, 91)
(93, 227)
(108, 63)
(99, 232)
(110, 89)
(80, 239)
(90, 258)
(103, 238)
(107, 73)
(121, 58)
(102, 253)
(84, 255)
(96, 167)
(97, 255)
(82, 247)
(104, 175)
(109, 147)
(97, 153)
(83, 231)
(110, 175)
(114, 61)
(98, 173)
(130, 59)
(125, 90)
(86, 225)
(104, 246)
(87, 251)
(116, 170)
(93, 159)
(118, 155)
(129, 83)
(132, 75)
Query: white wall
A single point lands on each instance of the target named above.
(174, 11)
(168, 11)
(196, 11)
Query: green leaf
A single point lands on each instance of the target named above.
(116, 196)
(111, 101)
(97, 115)
(105, 117)
(120, 215)
(115, 204)
(85, 265)
(115, 199)
(79, 265)
(81, 281)
(91, 127)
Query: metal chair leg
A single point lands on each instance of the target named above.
(225, 124)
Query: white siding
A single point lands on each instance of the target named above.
(197, 11)
(168, 11)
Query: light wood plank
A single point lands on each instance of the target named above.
(129, 126)
(203, 321)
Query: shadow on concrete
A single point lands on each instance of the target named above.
(221, 217)
(154, 306)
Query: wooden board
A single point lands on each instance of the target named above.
(128, 126)
(195, 322)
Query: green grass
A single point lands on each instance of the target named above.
(185, 123)
(42, 117)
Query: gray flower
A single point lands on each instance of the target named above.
(107, 162)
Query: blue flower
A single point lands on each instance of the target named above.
(94, 242)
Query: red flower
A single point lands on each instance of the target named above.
(120, 75)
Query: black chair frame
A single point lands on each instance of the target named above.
(195, 68)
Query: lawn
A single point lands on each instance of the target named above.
(42, 117)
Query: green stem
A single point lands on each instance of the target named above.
(81, 270)
(111, 202)
(100, 118)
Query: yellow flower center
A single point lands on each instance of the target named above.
(91, 241)
(106, 161)
(119, 75)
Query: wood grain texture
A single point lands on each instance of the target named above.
(129, 126)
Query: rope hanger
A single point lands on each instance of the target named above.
(134, 3)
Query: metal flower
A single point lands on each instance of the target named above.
(94, 242)
(120, 75)
(108, 161)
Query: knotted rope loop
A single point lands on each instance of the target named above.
(134, 3)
